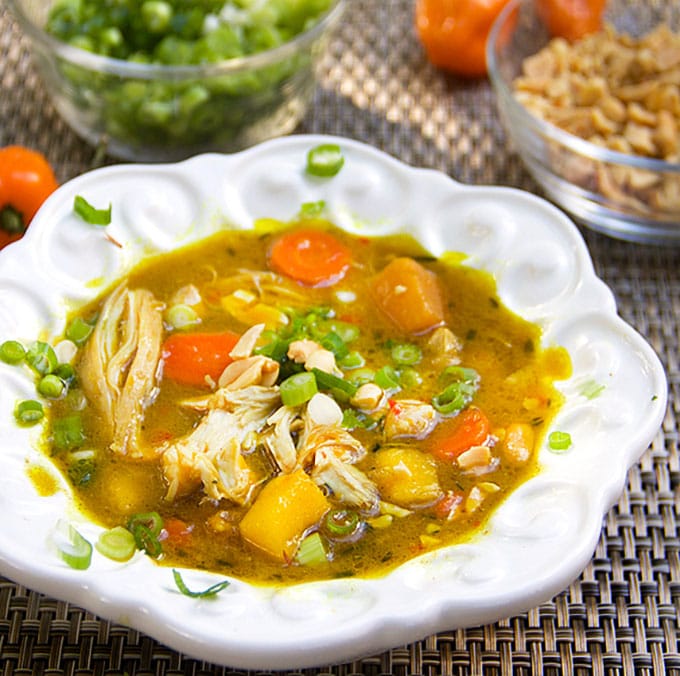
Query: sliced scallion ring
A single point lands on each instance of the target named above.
(72, 547)
(341, 522)
(117, 544)
(325, 160)
(298, 389)
(12, 352)
(29, 412)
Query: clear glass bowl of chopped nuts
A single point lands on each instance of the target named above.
(597, 121)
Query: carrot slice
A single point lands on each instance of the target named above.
(470, 428)
(190, 358)
(312, 257)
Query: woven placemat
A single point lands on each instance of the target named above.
(621, 615)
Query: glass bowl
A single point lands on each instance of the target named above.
(154, 113)
(624, 195)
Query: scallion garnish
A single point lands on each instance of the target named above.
(12, 352)
(341, 523)
(406, 354)
(68, 433)
(42, 358)
(312, 209)
(325, 160)
(387, 378)
(91, 214)
(51, 386)
(145, 529)
(29, 412)
(210, 592)
(559, 441)
(311, 551)
(298, 388)
(329, 381)
(117, 544)
(461, 386)
(79, 331)
(72, 547)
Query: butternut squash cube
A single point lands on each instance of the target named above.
(286, 507)
(409, 295)
(406, 476)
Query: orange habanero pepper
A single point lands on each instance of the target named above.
(571, 19)
(26, 181)
(454, 33)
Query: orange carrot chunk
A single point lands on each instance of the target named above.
(409, 295)
(189, 358)
(309, 256)
(470, 428)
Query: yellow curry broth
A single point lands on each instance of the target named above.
(516, 386)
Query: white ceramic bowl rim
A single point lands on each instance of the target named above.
(535, 544)
(121, 68)
(547, 130)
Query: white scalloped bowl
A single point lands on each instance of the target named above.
(537, 542)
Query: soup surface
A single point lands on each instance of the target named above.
(297, 403)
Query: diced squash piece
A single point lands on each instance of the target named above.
(409, 295)
(405, 476)
(287, 506)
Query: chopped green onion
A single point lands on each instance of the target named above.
(353, 360)
(81, 466)
(457, 394)
(182, 316)
(29, 412)
(66, 372)
(152, 521)
(333, 342)
(73, 548)
(361, 376)
(329, 381)
(559, 441)
(346, 330)
(210, 592)
(12, 352)
(312, 209)
(387, 378)
(117, 544)
(311, 551)
(325, 160)
(353, 419)
(42, 358)
(406, 354)
(592, 389)
(79, 331)
(51, 386)
(341, 522)
(298, 388)
(409, 377)
(67, 433)
(91, 214)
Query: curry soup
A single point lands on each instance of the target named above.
(303, 403)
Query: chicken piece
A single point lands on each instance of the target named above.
(327, 438)
(118, 369)
(409, 418)
(348, 483)
(278, 439)
(211, 453)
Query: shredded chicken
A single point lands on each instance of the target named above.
(119, 366)
(257, 370)
(278, 438)
(348, 483)
(409, 418)
(327, 438)
(211, 453)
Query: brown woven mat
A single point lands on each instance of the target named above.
(621, 615)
